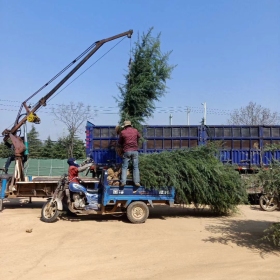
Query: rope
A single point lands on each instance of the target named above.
(86, 69)
(129, 63)
(56, 76)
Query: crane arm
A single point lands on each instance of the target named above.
(42, 102)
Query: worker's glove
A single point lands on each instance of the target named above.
(87, 161)
(88, 165)
(84, 167)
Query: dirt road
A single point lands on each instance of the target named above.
(174, 243)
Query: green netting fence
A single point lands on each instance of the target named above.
(40, 167)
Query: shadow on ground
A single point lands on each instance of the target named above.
(180, 211)
(245, 233)
(162, 212)
(159, 212)
(16, 203)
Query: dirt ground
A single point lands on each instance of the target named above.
(174, 243)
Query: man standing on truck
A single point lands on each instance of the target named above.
(128, 140)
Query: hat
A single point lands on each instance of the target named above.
(126, 123)
(71, 162)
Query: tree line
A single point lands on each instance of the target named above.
(49, 149)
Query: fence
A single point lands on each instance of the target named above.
(40, 167)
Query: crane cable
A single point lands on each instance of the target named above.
(70, 64)
(56, 76)
(86, 70)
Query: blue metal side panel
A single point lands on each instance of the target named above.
(277, 155)
(255, 157)
(103, 156)
(240, 157)
(269, 156)
(142, 194)
(89, 136)
(242, 142)
(248, 158)
(250, 139)
(225, 156)
(131, 193)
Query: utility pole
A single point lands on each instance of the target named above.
(188, 116)
(170, 119)
(204, 106)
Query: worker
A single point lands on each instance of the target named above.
(74, 169)
(128, 140)
(12, 157)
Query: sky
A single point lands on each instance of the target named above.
(227, 54)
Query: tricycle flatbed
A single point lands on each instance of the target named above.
(107, 199)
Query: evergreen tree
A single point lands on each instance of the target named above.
(60, 148)
(145, 81)
(47, 149)
(5, 152)
(79, 149)
(197, 175)
(34, 144)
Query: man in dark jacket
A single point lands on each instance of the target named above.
(128, 140)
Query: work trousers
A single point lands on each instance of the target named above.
(127, 156)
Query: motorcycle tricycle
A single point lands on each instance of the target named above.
(105, 199)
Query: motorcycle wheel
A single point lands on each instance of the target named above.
(49, 212)
(268, 202)
(137, 212)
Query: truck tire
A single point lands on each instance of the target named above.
(137, 212)
(1, 204)
(268, 203)
(49, 212)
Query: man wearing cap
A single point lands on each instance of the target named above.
(74, 169)
(128, 140)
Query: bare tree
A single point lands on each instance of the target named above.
(73, 116)
(254, 114)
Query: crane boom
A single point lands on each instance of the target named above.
(42, 102)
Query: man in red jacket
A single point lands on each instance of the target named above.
(128, 140)
(74, 169)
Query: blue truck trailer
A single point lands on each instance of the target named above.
(243, 146)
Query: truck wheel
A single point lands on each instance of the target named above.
(268, 202)
(137, 212)
(49, 212)
(1, 204)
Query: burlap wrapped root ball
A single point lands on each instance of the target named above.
(114, 176)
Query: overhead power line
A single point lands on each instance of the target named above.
(159, 109)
